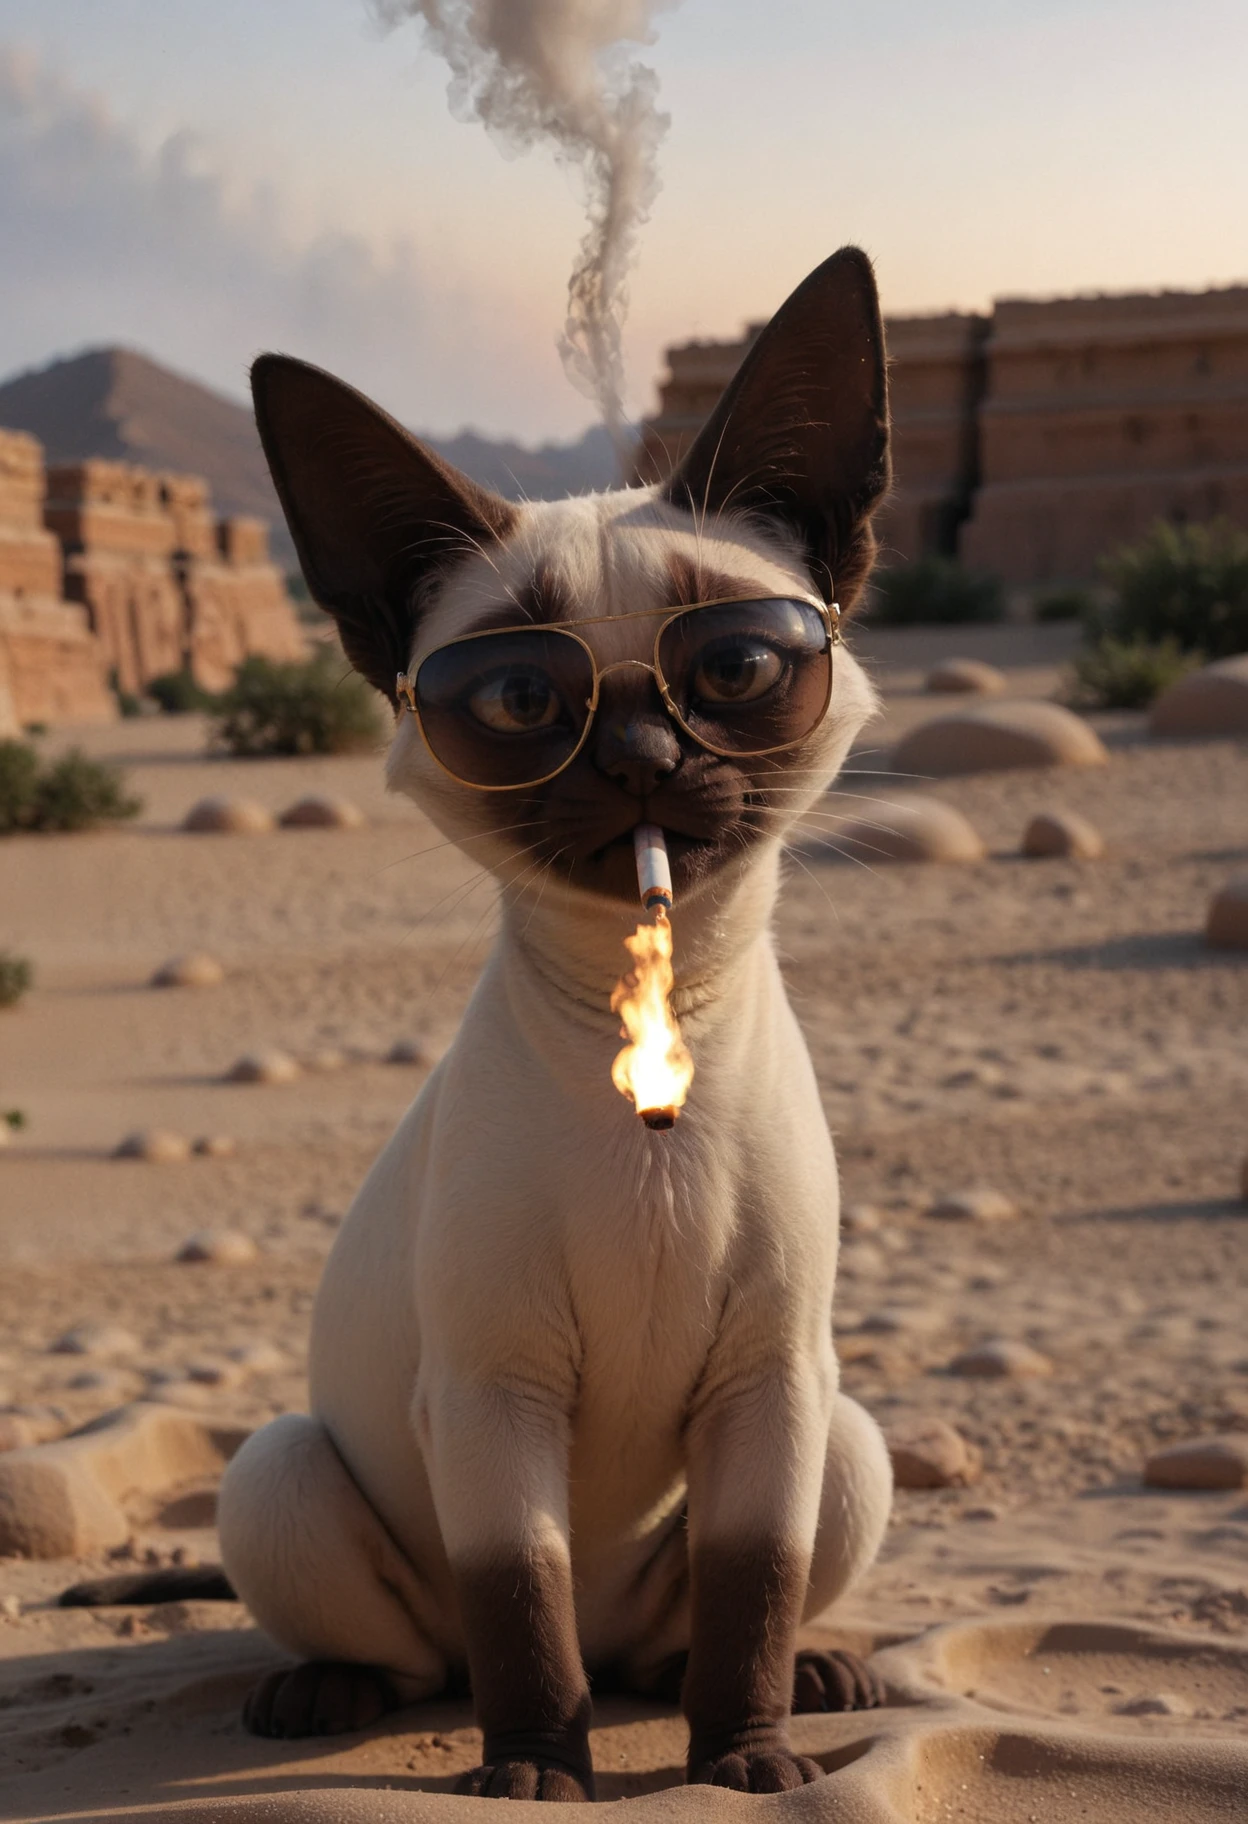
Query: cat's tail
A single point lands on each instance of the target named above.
(179, 1583)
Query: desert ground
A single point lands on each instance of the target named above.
(1060, 1642)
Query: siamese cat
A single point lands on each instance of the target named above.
(574, 1404)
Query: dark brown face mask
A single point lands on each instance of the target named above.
(512, 707)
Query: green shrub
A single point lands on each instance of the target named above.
(72, 793)
(317, 707)
(16, 975)
(1184, 583)
(14, 1118)
(1126, 674)
(1067, 605)
(178, 693)
(935, 590)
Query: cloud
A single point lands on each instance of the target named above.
(109, 242)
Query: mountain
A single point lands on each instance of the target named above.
(117, 403)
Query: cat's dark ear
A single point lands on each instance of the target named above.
(373, 513)
(800, 434)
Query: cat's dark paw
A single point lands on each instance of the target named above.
(322, 1697)
(525, 1779)
(758, 1770)
(826, 1680)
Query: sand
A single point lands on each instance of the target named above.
(1060, 1643)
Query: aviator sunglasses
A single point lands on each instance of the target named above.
(513, 706)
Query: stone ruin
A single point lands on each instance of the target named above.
(1033, 441)
(111, 572)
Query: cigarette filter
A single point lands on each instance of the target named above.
(654, 875)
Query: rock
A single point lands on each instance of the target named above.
(197, 969)
(1211, 701)
(860, 1219)
(228, 816)
(30, 1425)
(327, 1059)
(999, 1358)
(260, 1357)
(210, 1373)
(970, 675)
(977, 1205)
(215, 1146)
(322, 811)
(65, 1499)
(268, 1066)
(219, 1247)
(1063, 833)
(1227, 924)
(988, 737)
(407, 1051)
(155, 1145)
(899, 1320)
(861, 1259)
(904, 829)
(927, 1453)
(1216, 1462)
(102, 1380)
(1157, 1703)
(96, 1339)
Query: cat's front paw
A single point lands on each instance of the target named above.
(830, 1680)
(525, 1779)
(323, 1697)
(757, 1770)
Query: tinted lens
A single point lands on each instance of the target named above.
(505, 708)
(748, 676)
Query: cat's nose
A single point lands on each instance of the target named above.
(639, 751)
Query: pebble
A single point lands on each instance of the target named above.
(1215, 1462)
(11, 1607)
(228, 816)
(268, 1066)
(101, 1380)
(215, 1146)
(1063, 833)
(1227, 924)
(979, 1204)
(155, 1145)
(407, 1051)
(903, 829)
(327, 1059)
(260, 1357)
(1157, 1703)
(322, 811)
(860, 1219)
(970, 675)
(1212, 701)
(989, 737)
(1000, 1357)
(96, 1339)
(928, 1453)
(861, 1259)
(898, 1320)
(197, 969)
(219, 1247)
(214, 1373)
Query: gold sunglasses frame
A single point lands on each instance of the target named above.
(828, 612)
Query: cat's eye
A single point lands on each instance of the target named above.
(736, 671)
(517, 701)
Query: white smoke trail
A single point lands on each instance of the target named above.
(556, 71)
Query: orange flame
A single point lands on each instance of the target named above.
(654, 1069)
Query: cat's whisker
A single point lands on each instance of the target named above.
(454, 842)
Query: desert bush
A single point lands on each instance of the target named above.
(317, 707)
(16, 975)
(1066, 605)
(934, 591)
(1188, 584)
(1125, 674)
(72, 793)
(178, 693)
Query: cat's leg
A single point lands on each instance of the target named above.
(320, 1573)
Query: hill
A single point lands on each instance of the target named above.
(117, 403)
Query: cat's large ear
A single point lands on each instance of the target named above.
(373, 513)
(800, 434)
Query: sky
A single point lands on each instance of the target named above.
(203, 180)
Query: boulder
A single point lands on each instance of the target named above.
(990, 737)
(1063, 833)
(1211, 701)
(1216, 1462)
(219, 1248)
(1226, 926)
(267, 1066)
(194, 970)
(229, 817)
(966, 675)
(979, 1204)
(927, 1453)
(904, 829)
(1000, 1358)
(322, 811)
(155, 1145)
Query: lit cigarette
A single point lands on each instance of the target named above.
(654, 875)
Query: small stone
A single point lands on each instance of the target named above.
(1210, 702)
(981, 1513)
(1215, 1462)
(1063, 833)
(154, 1145)
(860, 1219)
(1227, 924)
(928, 1453)
(991, 737)
(11, 1607)
(407, 1051)
(899, 1320)
(1157, 1703)
(228, 816)
(902, 829)
(268, 1066)
(977, 1205)
(322, 811)
(260, 1357)
(861, 1259)
(197, 969)
(101, 1380)
(326, 1060)
(214, 1373)
(219, 1247)
(96, 1339)
(1001, 1357)
(215, 1146)
(969, 675)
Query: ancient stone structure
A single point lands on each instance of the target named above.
(936, 377)
(50, 662)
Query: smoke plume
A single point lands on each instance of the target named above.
(557, 71)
